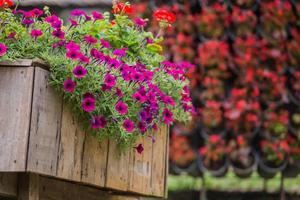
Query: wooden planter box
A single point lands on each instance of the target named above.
(38, 134)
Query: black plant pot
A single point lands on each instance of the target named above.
(246, 172)
(269, 172)
(291, 170)
(219, 172)
(191, 169)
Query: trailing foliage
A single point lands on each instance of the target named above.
(111, 71)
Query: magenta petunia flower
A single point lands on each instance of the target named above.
(143, 115)
(11, 35)
(121, 108)
(97, 16)
(167, 116)
(72, 46)
(58, 33)
(3, 49)
(74, 55)
(27, 22)
(58, 44)
(120, 52)
(88, 95)
(77, 13)
(140, 22)
(128, 125)
(84, 59)
(142, 127)
(73, 22)
(139, 148)
(35, 33)
(79, 71)
(109, 80)
(51, 19)
(90, 39)
(114, 63)
(168, 100)
(119, 93)
(69, 85)
(88, 104)
(98, 122)
(105, 44)
(139, 97)
(36, 12)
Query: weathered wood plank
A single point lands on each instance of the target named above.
(45, 126)
(159, 160)
(94, 161)
(140, 168)
(71, 147)
(29, 187)
(15, 96)
(9, 184)
(53, 189)
(117, 176)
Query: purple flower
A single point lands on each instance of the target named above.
(121, 108)
(56, 24)
(3, 49)
(87, 18)
(90, 39)
(73, 22)
(97, 15)
(105, 44)
(37, 12)
(11, 35)
(77, 13)
(58, 33)
(58, 44)
(88, 104)
(142, 127)
(36, 33)
(128, 125)
(143, 115)
(74, 55)
(51, 19)
(167, 116)
(119, 93)
(120, 52)
(27, 22)
(114, 63)
(149, 41)
(72, 46)
(139, 97)
(139, 148)
(168, 100)
(88, 95)
(79, 72)
(140, 22)
(69, 85)
(104, 87)
(84, 59)
(109, 80)
(98, 122)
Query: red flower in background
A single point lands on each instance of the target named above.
(122, 8)
(162, 15)
(6, 3)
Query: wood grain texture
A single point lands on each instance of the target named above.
(117, 176)
(45, 126)
(8, 184)
(15, 107)
(71, 147)
(52, 189)
(140, 168)
(159, 160)
(94, 161)
(29, 187)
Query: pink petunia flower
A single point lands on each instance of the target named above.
(79, 71)
(88, 104)
(74, 55)
(3, 49)
(69, 85)
(90, 39)
(97, 16)
(35, 33)
(139, 148)
(58, 33)
(140, 22)
(121, 108)
(109, 80)
(105, 44)
(167, 116)
(98, 122)
(128, 125)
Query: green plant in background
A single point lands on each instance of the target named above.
(110, 70)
